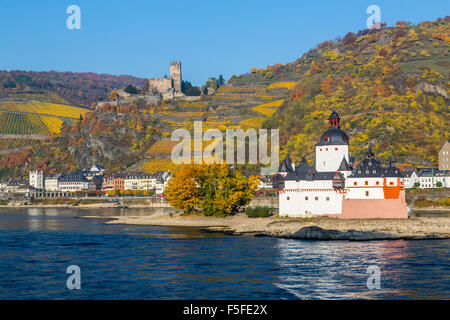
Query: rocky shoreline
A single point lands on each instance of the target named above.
(309, 229)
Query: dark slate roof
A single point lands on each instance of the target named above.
(407, 174)
(369, 152)
(344, 165)
(369, 167)
(372, 167)
(286, 165)
(333, 136)
(302, 167)
(73, 177)
(17, 182)
(434, 173)
(334, 115)
(392, 171)
(309, 175)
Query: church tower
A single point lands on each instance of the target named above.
(332, 147)
(175, 75)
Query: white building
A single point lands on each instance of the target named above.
(74, 181)
(428, 179)
(51, 182)
(332, 187)
(139, 181)
(98, 168)
(36, 179)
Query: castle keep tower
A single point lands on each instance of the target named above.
(332, 147)
(175, 75)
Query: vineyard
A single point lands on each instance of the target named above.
(268, 109)
(287, 85)
(20, 123)
(253, 122)
(15, 143)
(45, 108)
(17, 123)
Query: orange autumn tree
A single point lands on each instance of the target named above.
(210, 189)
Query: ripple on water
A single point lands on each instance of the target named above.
(141, 262)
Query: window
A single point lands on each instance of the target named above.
(335, 149)
(378, 182)
(367, 183)
(316, 198)
(328, 198)
(326, 149)
(391, 183)
(367, 193)
(320, 149)
(288, 198)
(355, 183)
(306, 198)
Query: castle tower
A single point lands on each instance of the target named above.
(175, 75)
(332, 147)
(36, 179)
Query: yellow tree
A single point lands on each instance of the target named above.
(210, 189)
(182, 190)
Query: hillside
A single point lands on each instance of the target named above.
(390, 87)
(79, 89)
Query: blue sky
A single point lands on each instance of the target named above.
(210, 37)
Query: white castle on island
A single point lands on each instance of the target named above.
(333, 188)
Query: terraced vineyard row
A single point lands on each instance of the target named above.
(15, 143)
(53, 109)
(17, 123)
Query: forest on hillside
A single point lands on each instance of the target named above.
(390, 87)
(74, 88)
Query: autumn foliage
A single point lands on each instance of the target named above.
(210, 190)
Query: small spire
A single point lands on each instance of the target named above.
(369, 152)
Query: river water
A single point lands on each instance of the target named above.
(144, 262)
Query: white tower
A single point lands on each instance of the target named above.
(333, 146)
(36, 179)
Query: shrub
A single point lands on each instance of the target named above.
(257, 212)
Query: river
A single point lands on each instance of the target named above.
(145, 262)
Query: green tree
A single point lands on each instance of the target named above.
(131, 89)
(188, 89)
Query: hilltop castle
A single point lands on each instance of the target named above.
(170, 87)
